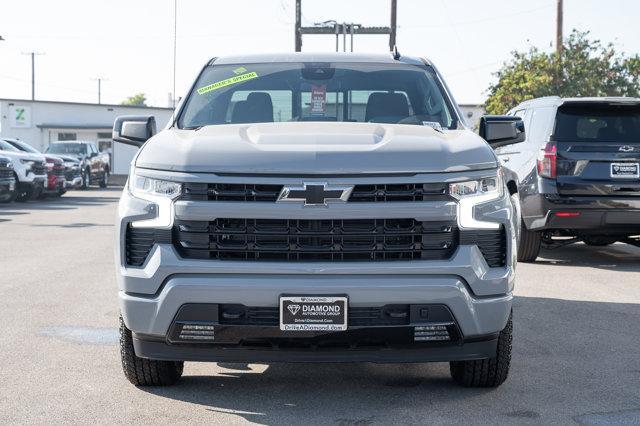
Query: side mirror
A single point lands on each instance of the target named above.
(134, 129)
(93, 154)
(501, 130)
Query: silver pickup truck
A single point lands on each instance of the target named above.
(317, 208)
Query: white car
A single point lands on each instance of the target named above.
(30, 170)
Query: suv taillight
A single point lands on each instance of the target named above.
(547, 160)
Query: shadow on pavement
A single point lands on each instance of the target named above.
(71, 200)
(619, 257)
(558, 372)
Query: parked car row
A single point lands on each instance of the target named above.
(26, 173)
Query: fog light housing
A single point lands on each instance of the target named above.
(432, 333)
(195, 332)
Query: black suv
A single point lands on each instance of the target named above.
(578, 172)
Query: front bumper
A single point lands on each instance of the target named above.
(74, 182)
(478, 296)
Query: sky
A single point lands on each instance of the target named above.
(129, 43)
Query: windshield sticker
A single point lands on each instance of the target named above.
(227, 82)
(433, 124)
(318, 100)
(240, 70)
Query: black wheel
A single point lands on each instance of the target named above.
(105, 179)
(599, 240)
(529, 244)
(146, 372)
(24, 194)
(86, 179)
(10, 196)
(486, 373)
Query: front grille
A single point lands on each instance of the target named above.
(140, 241)
(398, 192)
(315, 240)
(269, 193)
(5, 172)
(59, 171)
(70, 173)
(38, 168)
(492, 244)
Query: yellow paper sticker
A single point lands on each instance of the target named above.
(227, 82)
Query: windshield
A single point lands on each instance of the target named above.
(67, 148)
(24, 147)
(354, 92)
(598, 123)
(6, 146)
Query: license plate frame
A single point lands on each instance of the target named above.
(313, 313)
(619, 171)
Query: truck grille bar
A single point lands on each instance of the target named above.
(269, 193)
(315, 240)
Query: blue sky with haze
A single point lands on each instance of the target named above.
(130, 43)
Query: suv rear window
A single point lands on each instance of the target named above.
(356, 92)
(598, 123)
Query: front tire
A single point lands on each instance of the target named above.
(486, 373)
(142, 371)
(105, 179)
(86, 179)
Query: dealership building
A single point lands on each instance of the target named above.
(41, 122)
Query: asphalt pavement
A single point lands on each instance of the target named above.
(576, 344)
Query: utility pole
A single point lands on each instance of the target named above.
(99, 80)
(33, 72)
(394, 19)
(175, 44)
(298, 28)
(559, 28)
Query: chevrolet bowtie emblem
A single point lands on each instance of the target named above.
(315, 194)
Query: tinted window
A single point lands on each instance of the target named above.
(362, 92)
(598, 123)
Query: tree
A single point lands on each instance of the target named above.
(584, 68)
(139, 99)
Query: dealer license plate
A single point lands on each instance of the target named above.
(313, 313)
(625, 170)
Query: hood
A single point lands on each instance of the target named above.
(22, 155)
(65, 157)
(316, 148)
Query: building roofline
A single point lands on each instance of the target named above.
(83, 104)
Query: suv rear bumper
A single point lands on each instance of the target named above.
(598, 214)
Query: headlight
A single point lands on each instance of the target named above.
(488, 188)
(9, 165)
(148, 188)
(471, 193)
(160, 192)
